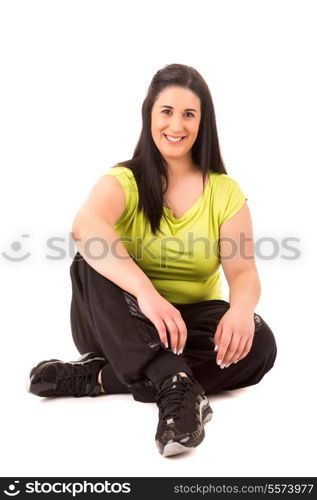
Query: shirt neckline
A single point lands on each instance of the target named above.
(188, 212)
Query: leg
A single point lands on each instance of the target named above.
(107, 320)
(202, 320)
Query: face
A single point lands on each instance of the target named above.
(175, 122)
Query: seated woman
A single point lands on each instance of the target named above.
(147, 312)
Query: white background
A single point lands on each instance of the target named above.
(73, 78)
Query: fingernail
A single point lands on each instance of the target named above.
(166, 345)
(236, 361)
(216, 348)
(179, 352)
(228, 365)
(174, 351)
(219, 361)
(222, 366)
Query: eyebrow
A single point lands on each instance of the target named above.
(171, 107)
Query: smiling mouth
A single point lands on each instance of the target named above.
(174, 140)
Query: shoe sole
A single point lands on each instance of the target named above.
(47, 390)
(176, 447)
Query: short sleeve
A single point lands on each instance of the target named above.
(230, 198)
(126, 179)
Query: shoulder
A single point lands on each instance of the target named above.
(223, 187)
(123, 174)
(126, 179)
(227, 196)
(223, 181)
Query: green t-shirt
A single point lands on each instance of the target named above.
(183, 261)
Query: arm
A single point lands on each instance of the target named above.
(245, 291)
(238, 263)
(101, 247)
(99, 244)
(235, 331)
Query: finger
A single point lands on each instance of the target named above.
(161, 329)
(246, 350)
(231, 349)
(223, 346)
(217, 336)
(238, 351)
(173, 333)
(182, 332)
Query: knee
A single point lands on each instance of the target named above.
(84, 274)
(264, 346)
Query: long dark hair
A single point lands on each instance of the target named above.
(147, 163)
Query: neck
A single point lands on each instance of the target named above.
(179, 167)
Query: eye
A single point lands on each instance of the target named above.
(187, 113)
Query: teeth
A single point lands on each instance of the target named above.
(174, 139)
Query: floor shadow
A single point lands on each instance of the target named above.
(227, 394)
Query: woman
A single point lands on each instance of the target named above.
(147, 313)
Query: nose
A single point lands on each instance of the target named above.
(176, 124)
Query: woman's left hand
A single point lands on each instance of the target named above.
(234, 336)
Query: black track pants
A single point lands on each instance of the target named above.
(107, 320)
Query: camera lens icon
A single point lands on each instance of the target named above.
(13, 492)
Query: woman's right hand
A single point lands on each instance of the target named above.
(165, 318)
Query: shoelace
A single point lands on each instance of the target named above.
(76, 384)
(170, 400)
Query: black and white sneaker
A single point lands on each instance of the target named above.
(71, 378)
(183, 411)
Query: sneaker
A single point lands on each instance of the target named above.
(183, 411)
(73, 378)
